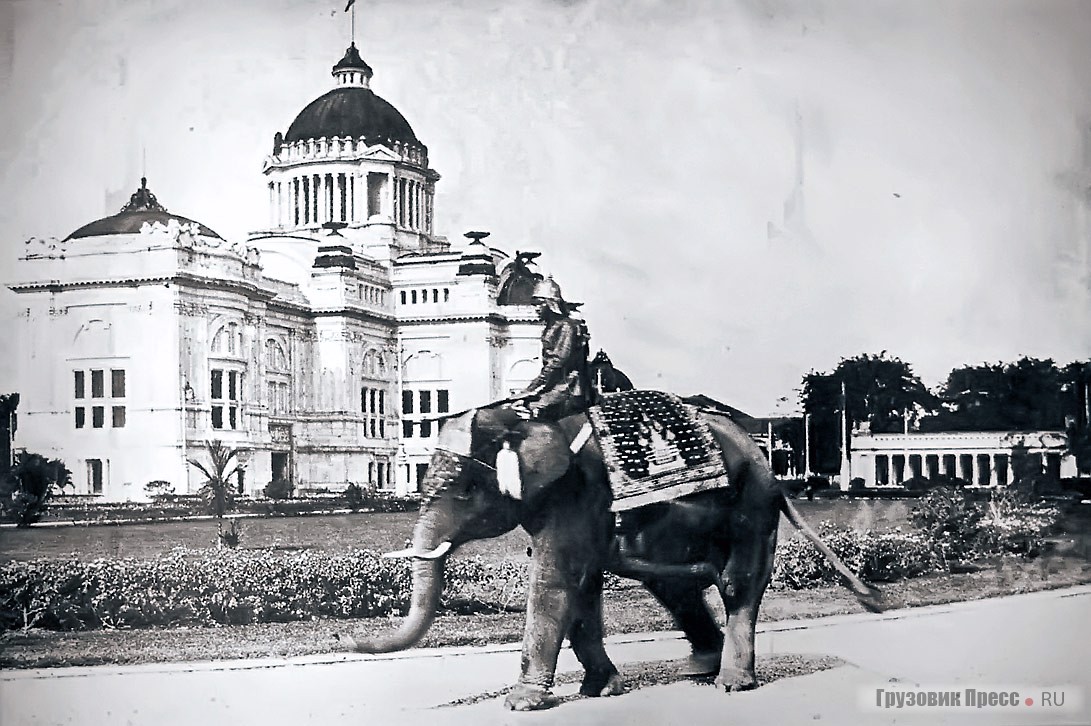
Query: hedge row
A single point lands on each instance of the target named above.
(209, 587)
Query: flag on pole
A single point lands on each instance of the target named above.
(349, 5)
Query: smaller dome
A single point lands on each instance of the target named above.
(353, 61)
(142, 207)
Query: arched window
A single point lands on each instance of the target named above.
(275, 358)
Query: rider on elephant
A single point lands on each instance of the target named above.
(561, 388)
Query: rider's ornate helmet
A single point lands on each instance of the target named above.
(549, 292)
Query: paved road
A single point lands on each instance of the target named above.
(1030, 642)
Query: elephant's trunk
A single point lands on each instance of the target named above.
(427, 588)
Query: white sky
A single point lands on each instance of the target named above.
(644, 146)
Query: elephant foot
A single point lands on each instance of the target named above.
(702, 664)
(529, 698)
(602, 684)
(735, 680)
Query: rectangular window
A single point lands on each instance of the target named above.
(403, 297)
(1002, 469)
(381, 476)
(80, 417)
(442, 401)
(407, 402)
(363, 400)
(94, 476)
(382, 429)
(422, 470)
(413, 296)
(79, 384)
(373, 400)
(371, 428)
(376, 183)
(98, 416)
(984, 469)
(382, 402)
(426, 402)
(96, 384)
(117, 384)
(371, 472)
(407, 429)
(217, 384)
(931, 465)
(232, 417)
(882, 470)
(118, 413)
(217, 417)
(425, 429)
(233, 385)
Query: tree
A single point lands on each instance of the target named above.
(1076, 408)
(25, 490)
(8, 423)
(877, 389)
(1021, 396)
(217, 492)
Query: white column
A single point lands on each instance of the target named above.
(343, 200)
(351, 196)
(279, 205)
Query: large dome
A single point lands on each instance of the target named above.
(350, 111)
(142, 207)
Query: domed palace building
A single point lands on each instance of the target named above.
(321, 348)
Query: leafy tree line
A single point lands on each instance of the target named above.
(883, 392)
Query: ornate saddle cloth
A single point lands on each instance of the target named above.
(656, 448)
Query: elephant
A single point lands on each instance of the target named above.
(722, 537)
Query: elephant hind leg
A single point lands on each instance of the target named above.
(586, 636)
(685, 602)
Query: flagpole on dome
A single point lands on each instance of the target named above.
(350, 7)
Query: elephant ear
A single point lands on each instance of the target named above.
(544, 456)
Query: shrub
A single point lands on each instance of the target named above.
(877, 556)
(279, 489)
(232, 536)
(159, 489)
(354, 495)
(1006, 523)
(857, 483)
(25, 490)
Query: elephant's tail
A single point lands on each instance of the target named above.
(869, 597)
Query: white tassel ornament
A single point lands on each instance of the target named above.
(507, 472)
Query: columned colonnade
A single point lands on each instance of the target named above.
(977, 468)
(314, 199)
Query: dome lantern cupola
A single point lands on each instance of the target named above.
(352, 70)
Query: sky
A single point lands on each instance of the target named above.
(741, 191)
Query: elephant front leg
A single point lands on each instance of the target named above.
(549, 615)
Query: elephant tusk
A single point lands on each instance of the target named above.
(410, 552)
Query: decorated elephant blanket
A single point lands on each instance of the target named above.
(656, 448)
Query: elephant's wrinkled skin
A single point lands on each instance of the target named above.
(677, 550)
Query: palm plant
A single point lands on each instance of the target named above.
(217, 492)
